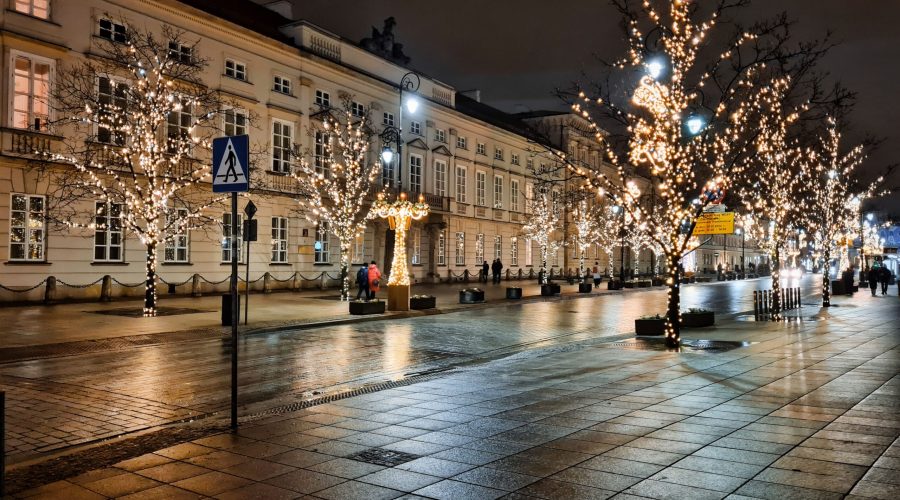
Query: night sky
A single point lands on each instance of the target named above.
(517, 51)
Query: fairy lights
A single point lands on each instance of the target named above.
(400, 214)
(542, 222)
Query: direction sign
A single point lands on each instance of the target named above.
(715, 223)
(231, 164)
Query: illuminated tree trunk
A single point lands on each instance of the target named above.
(150, 284)
(581, 266)
(673, 312)
(544, 252)
(345, 269)
(826, 278)
(776, 284)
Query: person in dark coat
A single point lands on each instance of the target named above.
(484, 271)
(873, 279)
(885, 279)
(847, 278)
(497, 268)
(362, 282)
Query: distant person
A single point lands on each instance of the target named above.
(374, 276)
(484, 271)
(497, 269)
(596, 274)
(885, 279)
(847, 278)
(362, 282)
(873, 279)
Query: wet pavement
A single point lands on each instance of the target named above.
(806, 409)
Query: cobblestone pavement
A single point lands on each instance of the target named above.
(807, 409)
(60, 402)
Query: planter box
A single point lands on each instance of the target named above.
(513, 292)
(657, 282)
(419, 303)
(373, 307)
(698, 320)
(585, 287)
(613, 285)
(644, 284)
(550, 290)
(649, 326)
(704, 279)
(471, 296)
(630, 284)
(837, 287)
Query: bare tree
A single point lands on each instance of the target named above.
(544, 218)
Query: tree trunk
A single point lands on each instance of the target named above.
(581, 266)
(673, 312)
(150, 284)
(544, 279)
(776, 284)
(345, 270)
(826, 279)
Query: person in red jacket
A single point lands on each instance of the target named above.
(374, 280)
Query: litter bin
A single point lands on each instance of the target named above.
(226, 309)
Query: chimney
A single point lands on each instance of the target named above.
(283, 7)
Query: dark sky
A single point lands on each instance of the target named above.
(517, 51)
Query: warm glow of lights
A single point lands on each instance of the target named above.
(400, 214)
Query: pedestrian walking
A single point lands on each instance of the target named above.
(362, 282)
(885, 278)
(873, 279)
(497, 269)
(374, 280)
(847, 278)
(484, 271)
(596, 274)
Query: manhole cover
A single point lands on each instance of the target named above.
(385, 458)
(136, 312)
(659, 344)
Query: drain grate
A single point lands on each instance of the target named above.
(659, 344)
(382, 457)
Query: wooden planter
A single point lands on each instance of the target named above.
(698, 319)
(649, 326)
(630, 284)
(419, 303)
(471, 296)
(613, 285)
(692, 279)
(585, 287)
(373, 307)
(513, 292)
(550, 289)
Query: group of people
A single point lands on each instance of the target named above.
(496, 268)
(368, 280)
(876, 275)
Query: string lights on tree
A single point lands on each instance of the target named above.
(400, 214)
(542, 222)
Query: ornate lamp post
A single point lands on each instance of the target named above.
(400, 214)
(393, 135)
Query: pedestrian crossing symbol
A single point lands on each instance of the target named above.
(231, 161)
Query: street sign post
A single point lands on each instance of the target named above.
(231, 174)
(714, 223)
(249, 235)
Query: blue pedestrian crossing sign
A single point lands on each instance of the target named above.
(231, 164)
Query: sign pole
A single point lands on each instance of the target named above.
(247, 281)
(234, 309)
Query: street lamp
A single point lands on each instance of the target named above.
(740, 231)
(655, 68)
(393, 135)
(695, 124)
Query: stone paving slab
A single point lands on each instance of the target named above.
(806, 410)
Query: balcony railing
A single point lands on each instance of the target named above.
(27, 142)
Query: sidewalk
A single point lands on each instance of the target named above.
(805, 410)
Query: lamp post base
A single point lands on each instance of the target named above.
(398, 298)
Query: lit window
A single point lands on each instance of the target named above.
(416, 257)
(440, 135)
(462, 142)
(113, 100)
(514, 158)
(529, 163)
(440, 178)
(279, 239)
(498, 246)
(36, 8)
(357, 109)
(460, 249)
(498, 191)
(514, 251)
(113, 31)
(181, 52)
(226, 237)
(27, 228)
(480, 181)
(415, 174)
(322, 98)
(282, 139)
(31, 92)
(442, 249)
(319, 151)
(479, 248)
(178, 129)
(235, 122)
(460, 184)
(527, 251)
(514, 195)
(415, 128)
(359, 248)
(480, 148)
(320, 247)
(387, 119)
(108, 232)
(498, 153)
(236, 70)
(281, 85)
(178, 241)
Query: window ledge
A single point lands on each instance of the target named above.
(110, 263)
(27, 263)
(280, 264)
(47, 20)
(280, 174)
(321, 264)
(229, 263)
(178, 263)
(233, 79)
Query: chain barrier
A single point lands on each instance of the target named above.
(23, 290)
(185, 282)
(215, 282)
(310, 279)
(290, 278)
(242, 280)
(126, 285)
(63, 283)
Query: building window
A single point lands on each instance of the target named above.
(498, 153)
(279, 239)
(415, 174)
(181, 52)
(460, 249)
(498, 191)
(319, 150)
(178, 129)
(387, 172)
(235, 122)
(527, 251)
(440, 178)
(112, 96)
(514, 251)
(415, 128)
(480, 149)
(462, 142)
(479, 248)
(31, 92)
(529, 163)
(281, 85)
(416, 257)
(323, 98)
(321, 245)
(36, 8)
(27, 228)
(226, 237)
(177, 240)
(514, 195)
(236, 70)
(442, 249)
(282, 138)
(529, 196)
(107, 232)
(460, 184)
(480, 181)
(514, 158)
(440, 135)
(498, 246)
(359, 248)
(357, 109)
(387, 119)
(113, 31)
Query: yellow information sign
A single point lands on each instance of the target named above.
(715, 223)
